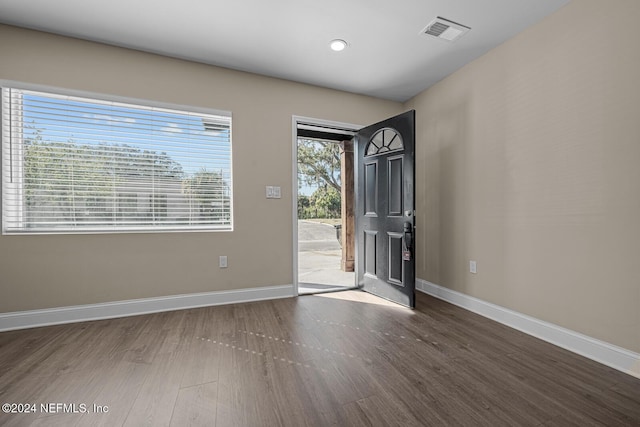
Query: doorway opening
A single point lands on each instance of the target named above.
(323, 206)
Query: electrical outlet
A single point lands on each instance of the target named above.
(223, 261)
(473, 267)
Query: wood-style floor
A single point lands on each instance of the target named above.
(346, 359)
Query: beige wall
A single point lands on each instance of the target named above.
(528, 161)
(51, 271)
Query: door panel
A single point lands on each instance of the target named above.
(370, 255)
(371, 189)
(395, 258)
(385, 203)
(395, 186)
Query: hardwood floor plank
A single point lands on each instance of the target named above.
(627, 392)
(573, 420)
(576, 397)
(196, 406)
(353, 415)
(78, 387)
(121, 388)
(156, 398)
(380, 411)
(58, 420)
(245, 390)
(200, 363)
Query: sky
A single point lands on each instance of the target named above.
(306, 190)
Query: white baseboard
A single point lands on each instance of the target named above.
(109, 310)
(600, 351)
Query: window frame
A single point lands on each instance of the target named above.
(112, 229)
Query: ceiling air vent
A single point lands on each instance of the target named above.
(444, 29)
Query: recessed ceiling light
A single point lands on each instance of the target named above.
(338, 45)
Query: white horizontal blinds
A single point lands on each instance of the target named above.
(78, 164)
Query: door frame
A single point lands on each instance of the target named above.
(295, 121)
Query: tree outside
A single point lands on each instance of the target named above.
(209, 192)
(323, 203)
(319, 172)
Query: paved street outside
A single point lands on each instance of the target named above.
(319, 255)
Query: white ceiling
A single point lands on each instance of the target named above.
(388, 57)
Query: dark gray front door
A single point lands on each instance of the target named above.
(385, 203)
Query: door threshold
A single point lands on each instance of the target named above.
(315, 288)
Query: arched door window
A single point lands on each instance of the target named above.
(384, 141)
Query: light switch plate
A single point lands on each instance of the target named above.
(273, 192)
(223, 261)
(473, 268)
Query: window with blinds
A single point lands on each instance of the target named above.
(74, 164)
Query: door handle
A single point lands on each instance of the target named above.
(407, 241)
